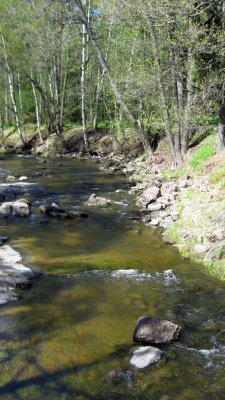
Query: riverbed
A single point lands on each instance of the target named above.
(62, 337)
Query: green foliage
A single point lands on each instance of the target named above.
(206, 150)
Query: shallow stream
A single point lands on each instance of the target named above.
(63, 336)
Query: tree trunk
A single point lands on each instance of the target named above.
(2, 131)
(113, 85)
(161, 93)
(187, 108)
(12, 93)
(83, 94)
(100, 82)
(221, 130)
(36, 108)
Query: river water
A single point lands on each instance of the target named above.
(62, 337)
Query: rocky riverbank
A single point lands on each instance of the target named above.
(188, 210)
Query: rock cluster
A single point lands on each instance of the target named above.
(55, 211)
(152, 331)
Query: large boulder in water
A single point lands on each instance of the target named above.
(151, 330)
(14, 189)
(144, 357)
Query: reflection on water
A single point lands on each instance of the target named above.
(60, 340)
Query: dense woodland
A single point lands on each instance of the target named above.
(150, 68)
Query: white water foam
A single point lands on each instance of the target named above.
(166, 278)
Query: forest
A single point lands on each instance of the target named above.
(140, 70)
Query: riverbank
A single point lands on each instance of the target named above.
(185, 205)
(187, 209)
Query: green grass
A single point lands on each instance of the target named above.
(218, 175)
(172, 232)
(206, 150)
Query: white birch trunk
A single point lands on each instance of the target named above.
(36, 107)
(12, 92)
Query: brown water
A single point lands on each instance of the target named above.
(100, 274)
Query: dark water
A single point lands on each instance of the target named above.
(75, 325)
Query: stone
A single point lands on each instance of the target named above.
(12, 274)
(20, 209)
(219, 234)
(49, 209)
(5, 209)
(3, 240)
(10, 178)
(150, 330)
(24, 285)
(163, 200)
(23, 178)
(156, 206)
(144, 357)
(76, 214)
(183, 183)
(211, 255)
(95, 200)
(200, 249)
(154, 222)
(151, 194)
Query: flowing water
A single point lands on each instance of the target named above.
(62, 337)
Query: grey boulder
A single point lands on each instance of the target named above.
(144, 357)
(151, 330)
(151, 194)
(18, 208)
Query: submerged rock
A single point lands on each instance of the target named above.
(144, 357)
(3, 240)
(11, 190)
(53, 208)
(151, 330)
(76, 214)
(55, 211)
(117, 376)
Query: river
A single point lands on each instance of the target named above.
(99, 275)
